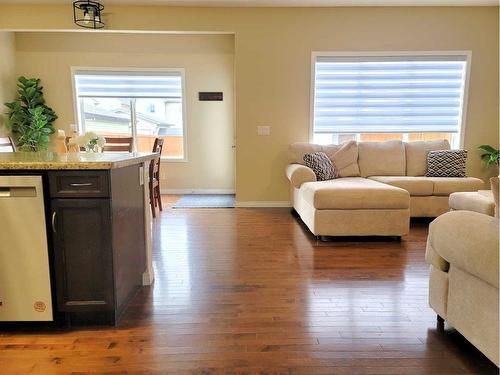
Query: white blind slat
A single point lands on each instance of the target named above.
(398, 94)
(129, 84)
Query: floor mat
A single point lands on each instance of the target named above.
(205, 201)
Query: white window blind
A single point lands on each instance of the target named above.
(402, 94)
(129, 84)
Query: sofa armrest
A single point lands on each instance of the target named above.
(467, 240)
(433, 258)
(298, 174)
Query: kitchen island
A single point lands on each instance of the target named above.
(98, 226)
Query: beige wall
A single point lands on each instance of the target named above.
(208, 62)
(273, 60)
(7, 74)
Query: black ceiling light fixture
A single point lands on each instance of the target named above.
(88, 14)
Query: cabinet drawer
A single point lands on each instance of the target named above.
(79, 184)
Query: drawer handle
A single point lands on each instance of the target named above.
(80, 184)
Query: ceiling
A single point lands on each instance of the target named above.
(274, 3)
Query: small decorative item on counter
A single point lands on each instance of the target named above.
(70, 141)
(74, 130)
(60, 142)
(90, 141)
(72, 146)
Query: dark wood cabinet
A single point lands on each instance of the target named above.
(83, 255)
(97, 220)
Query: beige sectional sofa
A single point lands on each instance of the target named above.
(462, 249)
(380, 185)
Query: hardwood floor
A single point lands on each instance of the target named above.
(250, 291)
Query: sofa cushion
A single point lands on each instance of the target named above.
(416, 155)
(354, 193)
(344, 156)
(446, 163)
(415, 185)
(321, 165)
(448, 185)
(381, 158)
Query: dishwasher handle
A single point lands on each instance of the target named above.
(14, 191)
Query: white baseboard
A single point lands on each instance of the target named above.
(263, 204)
(197, 191)
(147, 278)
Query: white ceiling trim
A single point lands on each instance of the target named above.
(275, 3)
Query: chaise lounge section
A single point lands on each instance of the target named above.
(353, 206)
(380, 186)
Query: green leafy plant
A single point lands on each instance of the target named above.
(490, 155)
(29, 118)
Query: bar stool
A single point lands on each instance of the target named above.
(154, 177)
(118, 144)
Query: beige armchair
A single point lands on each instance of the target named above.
(462, 249)
(482, 201)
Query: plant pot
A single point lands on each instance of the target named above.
(91, 148)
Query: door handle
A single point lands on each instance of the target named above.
(54, 221)
(80, 184)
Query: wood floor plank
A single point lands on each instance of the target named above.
(251, 292)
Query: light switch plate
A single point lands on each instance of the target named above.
(263, 130)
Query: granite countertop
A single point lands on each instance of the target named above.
(73, 160)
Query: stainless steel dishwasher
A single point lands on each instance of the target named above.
(25, 293)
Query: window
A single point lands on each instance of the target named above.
(376, 98)
(141, 104)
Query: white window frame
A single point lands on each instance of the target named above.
(457, 139)
(76, 102)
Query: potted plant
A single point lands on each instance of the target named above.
(490, 155)
(29, 118)
(90, 141)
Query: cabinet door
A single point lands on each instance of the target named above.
(82, 253)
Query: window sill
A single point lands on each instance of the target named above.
(173, 160)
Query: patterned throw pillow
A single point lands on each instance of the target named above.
(446, 163)
(321, 164)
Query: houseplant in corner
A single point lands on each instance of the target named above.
(490, 155)
(29, 118)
